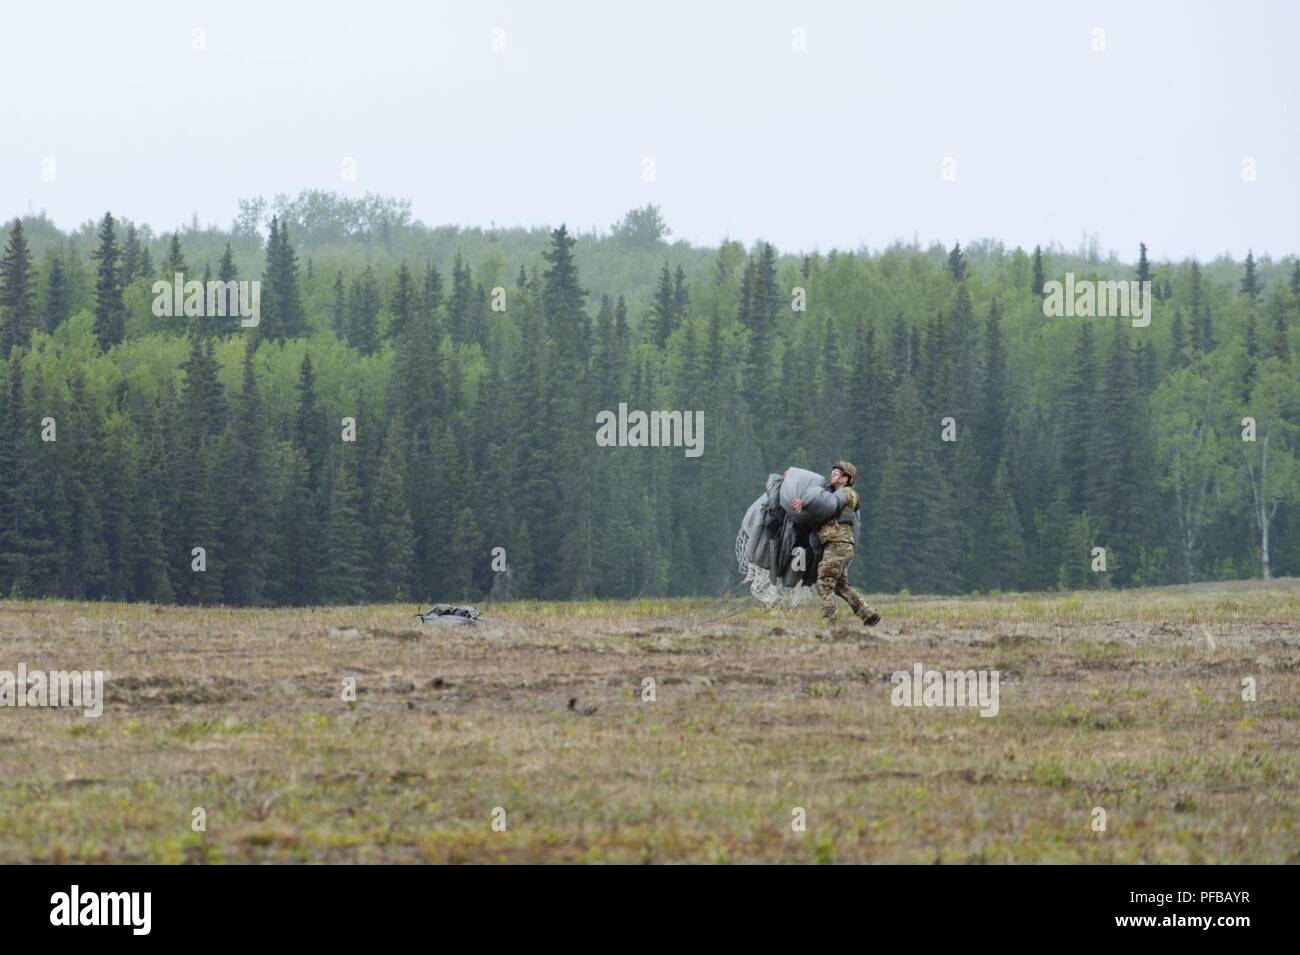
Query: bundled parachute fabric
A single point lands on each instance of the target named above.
(772, 530)
(819, 503)
(449, 615)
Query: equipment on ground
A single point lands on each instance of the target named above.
(449, 615)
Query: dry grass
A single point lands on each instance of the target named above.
(1127, 701)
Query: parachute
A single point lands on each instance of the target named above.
(449, 615)
(772, 531)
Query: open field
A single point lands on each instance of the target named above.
(1129, 701)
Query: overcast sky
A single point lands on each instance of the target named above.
(840, 144)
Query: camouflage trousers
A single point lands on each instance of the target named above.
(833, 578)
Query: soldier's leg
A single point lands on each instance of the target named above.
(861, 609)
(829, 575)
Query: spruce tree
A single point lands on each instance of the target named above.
(991, 420)
(681, 296)
(1143, 266)
(1077, 419)
(957, 263)
(1279, 341)
(404, 303)
(1177, 342)
(392, 541)
(132, 260)
(110, 314)
(339, 313)
(82, 568)
(58, 295)
(246, 483)
(433, 286)
(293, 317)
(1250, 281)
(175, 261)
(460, 306)
(914, 536)
(363, 319)
(22, 536)
(665, 313)
(343, 575)
(17, 293)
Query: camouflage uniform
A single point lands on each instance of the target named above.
(833, 570)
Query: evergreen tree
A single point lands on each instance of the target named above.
(22, 537)
(1143, 266)
(17, 293)
(1202, 322)
(433, 286)
(343, 578)
(403, 307)
(247, 511)
(1000, 546)
(1177, 342)
(340, 315)
(199, 520)
(681, 296)
(363, 321)
(1279, 343)
(1077, 419)
(914, 541)
(957, 263)
(226, 269)
(392, 543)
(282, 311)
(58, 296)
(1250, 281)
(81, 565)
(110, 314)
(1113, 494)
(132, 258)
(1039, 275)
(665, 312)
(990, 428)
(460, 306)
(175, 261)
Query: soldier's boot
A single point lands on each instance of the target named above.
(861, 609)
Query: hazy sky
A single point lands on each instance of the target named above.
(839, 145)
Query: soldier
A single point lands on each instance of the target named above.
(838, 540)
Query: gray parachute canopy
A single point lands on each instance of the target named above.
(772, 529)
(449, 615)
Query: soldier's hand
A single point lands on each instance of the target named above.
(798, 504)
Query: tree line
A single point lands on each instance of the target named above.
(400, 430)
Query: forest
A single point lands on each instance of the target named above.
(414, 415)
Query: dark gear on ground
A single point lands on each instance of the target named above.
(449, 614)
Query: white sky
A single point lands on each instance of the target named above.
(833, 147)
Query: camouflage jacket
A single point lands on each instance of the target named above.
(837, 530)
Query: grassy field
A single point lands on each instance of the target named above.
(1130, 702)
